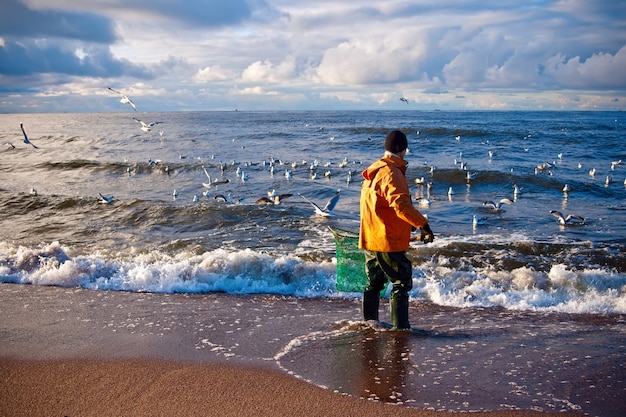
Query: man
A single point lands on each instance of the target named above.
(387, 219)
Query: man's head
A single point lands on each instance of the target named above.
(396, 142)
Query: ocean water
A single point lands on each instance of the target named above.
(148, 240)
(515, 312)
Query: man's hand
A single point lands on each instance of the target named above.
(427, 235)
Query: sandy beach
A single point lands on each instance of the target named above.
(154, 388)
(74, 352)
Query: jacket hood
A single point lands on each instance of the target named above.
(373, 169)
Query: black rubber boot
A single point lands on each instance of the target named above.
(370, 302)
(399, 310)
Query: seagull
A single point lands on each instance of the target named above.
(615, 163)
(26, 137)
(222, 198)
(570, 219)
(105, 199)
(566, 188)
(146, 127)
(497, 206)
(450, 191)
(517, 189)
(423, 202)
(33, 191)
(10, 145)
(213, 182)
(125, 99)
(330, 205)
(274, 199)
(404, 100)
(478, 221)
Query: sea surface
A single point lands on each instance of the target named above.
(169, 231)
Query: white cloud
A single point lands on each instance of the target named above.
(339, 52)
(601, 70)
(214, 73)
(266, 72)
(256, 91)
(369, 61)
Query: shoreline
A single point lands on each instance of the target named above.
(159, 388)
(71, 351)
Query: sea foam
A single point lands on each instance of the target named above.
(560, 289)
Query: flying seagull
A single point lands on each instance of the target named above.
(497, 206)
(275, 199)
(146, 127)
(570, 219)
(213, 182)
(26, 137)
(330, 205)
(404, 100)
(124, 99)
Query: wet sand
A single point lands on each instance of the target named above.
(155, 388)
(68, 351)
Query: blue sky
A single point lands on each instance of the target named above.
(61, 55)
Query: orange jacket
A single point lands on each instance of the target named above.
(387, 213)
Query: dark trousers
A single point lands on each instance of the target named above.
(396, 268)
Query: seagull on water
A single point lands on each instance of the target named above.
(146, 127)
(223, 199)
(476, 221)
(124, 99)
(570, 219)
(497, 206)
(106, 200)
(330, 205)
(28, 142)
